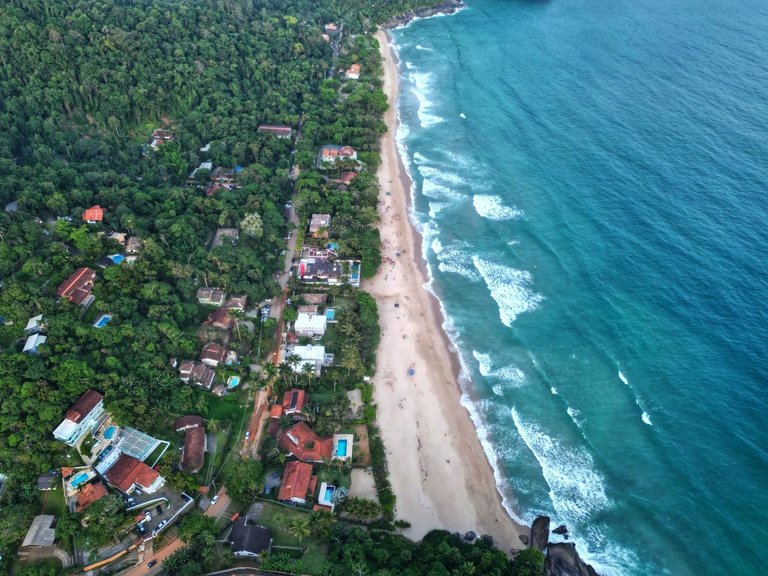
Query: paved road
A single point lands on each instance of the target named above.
(215, 510)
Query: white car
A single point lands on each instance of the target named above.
(215, 499)
(147, 516)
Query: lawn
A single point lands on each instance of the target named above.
(273, 516)
(335, 477)
(52, 502)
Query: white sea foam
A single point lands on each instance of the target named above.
(553, 390)
(420, 47)
(575, 416)
(410, 66)
(491, 207)
(421, 84)
(623, 378)
(577, 489)
(462, 115)
(436, 207)
(437, 246)
(646, 419)
(456, 259)
(509, 376)
(510, 288)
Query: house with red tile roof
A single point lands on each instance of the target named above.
(294, 401)
(211, 296)
(160, 136)
(77, 288)
(330, 153)
(237, 302)
(193, 452)
(302, 442)
(93, 214)
(83, 417)
(279, 131)
(353, 72)
(89, 494)
(187, 422)
(298, 483)
(128, 473)
(197, 373)
(220, 319)
(213, 354)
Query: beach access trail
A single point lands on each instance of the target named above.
(438, 470)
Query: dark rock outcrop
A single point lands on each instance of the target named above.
(524, 539)
(540, 533)
(444, 7)
(562, 529)
(470, 536)
(563, 560)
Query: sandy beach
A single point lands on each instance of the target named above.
(438, 470)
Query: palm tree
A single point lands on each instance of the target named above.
(308, 370)
(298, 527)
(293, 361)
(236, 314)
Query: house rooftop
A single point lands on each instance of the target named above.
(193, 454)
(249, 538)
(127, 471)
(294, 401)
(278, 130)
(94, 214)
(77, 288)
(301, 441)
(47, 481)
(89, 494)
(41, 532)
(213, 352)
(188, 421)
(296, 481)
(220, 319)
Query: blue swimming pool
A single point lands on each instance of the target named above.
(109, 432)
(341, 448)
(326, 498)
(330, 314)
(79, 479)
(102, 321)
(233, 381)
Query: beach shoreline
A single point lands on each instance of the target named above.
(428, 434)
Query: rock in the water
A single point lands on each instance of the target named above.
(560, 529)
(440, 7)
(524, 539)
(470, 536)
(563, 560)
(540, 533)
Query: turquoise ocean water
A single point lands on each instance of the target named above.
(592, 183)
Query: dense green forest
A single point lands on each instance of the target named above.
(83, 83)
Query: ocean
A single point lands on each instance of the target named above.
(590, 181)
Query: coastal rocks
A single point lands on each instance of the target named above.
(562, 529)
(445, 7)
(524, 539)
(540, 533)
(470, 536)
(563, 560)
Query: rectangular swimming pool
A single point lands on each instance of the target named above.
(79, 479)
(341, 447)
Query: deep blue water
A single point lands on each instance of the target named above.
(592, 181)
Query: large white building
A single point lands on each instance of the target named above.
(83, 417)
(315, 356)
(310, 323)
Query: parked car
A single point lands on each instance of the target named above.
(138, 492)
(247, 434)
(151, 563)
(215, 499)
(130, 502)
(141, 529)
(147, 516)
(160, 526)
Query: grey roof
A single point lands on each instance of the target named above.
(41, 532)
(46, 482)
(249, 538)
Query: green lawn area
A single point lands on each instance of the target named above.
(156, 453)
(273, 516)
(54, 502)
(334, 477)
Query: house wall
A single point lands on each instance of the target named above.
(86, 425)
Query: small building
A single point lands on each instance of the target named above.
(211, 296)
(159, 137)
(317, 299)
(93, 214)
(83, 417)
(248, 539)
(128, 473)
(34, 325)
(33, 342)
(77, 288)
(193, 452)
(118, 237)
(239, 303)
(346, 178)
(220, 319)
(315, 356)
(331, 28)
(302, 442)
(89, 494)
(41, 533)
(318, 226)
(279, 131)
(298, 483)
(47, 482)
(134, 245)
(197, 373)
(203, 166)
(310, 323)
(294, 401)
(353, 72)
(330, 153)
(213, 354)
(320, 271)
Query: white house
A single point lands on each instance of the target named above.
(83, 417)
(34, 325)
(33, 342)
(310, 324)
(315, 356)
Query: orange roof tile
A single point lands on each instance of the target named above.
(94, 214)
(296, 482)
(301, 441)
